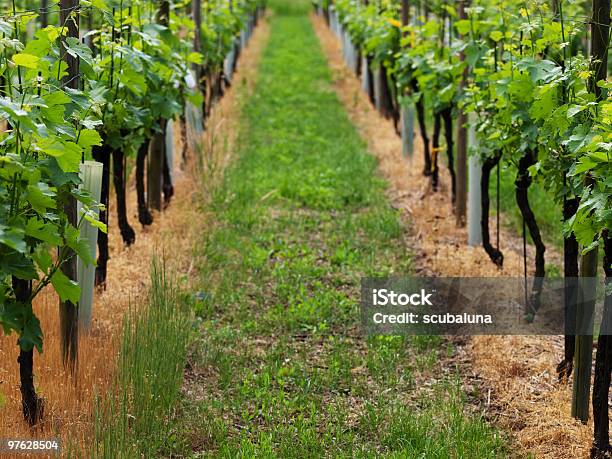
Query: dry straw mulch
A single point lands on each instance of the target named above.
(517, 372)
(172, 237)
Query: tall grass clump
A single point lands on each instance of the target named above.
(134, 419)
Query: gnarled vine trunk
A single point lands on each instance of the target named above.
(144, 214)
(435, 149)
(217, 87)
(488, 164)
(204, 85)
(570, 268)
(447, 117)
(388, 105)
(184, 142)
(420, 109)
(522, 183)
(31, 404)
(167, 187)
(127, 232)
(371, 80)
(103, 154)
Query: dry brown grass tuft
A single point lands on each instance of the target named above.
(518, 372)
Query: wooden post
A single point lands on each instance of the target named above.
(407, 110)
(405, 12)
(69, 338)
(600, 29)
(157, 154)
(603, 363)
(555, 9)
(43, 13)
(196, 12)
(155, 169)
(233, 54)
(461, 196)
(198, 70)
(584, 340)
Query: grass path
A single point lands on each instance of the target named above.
(281, 367)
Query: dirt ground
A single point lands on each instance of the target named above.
(517, 373)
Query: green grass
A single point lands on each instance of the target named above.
(292, 7)
(281, 368)
(135, 418)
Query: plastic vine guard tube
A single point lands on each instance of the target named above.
(408, 129)
(91, 175)
(170, 147)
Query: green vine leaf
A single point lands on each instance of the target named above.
(67, 289)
